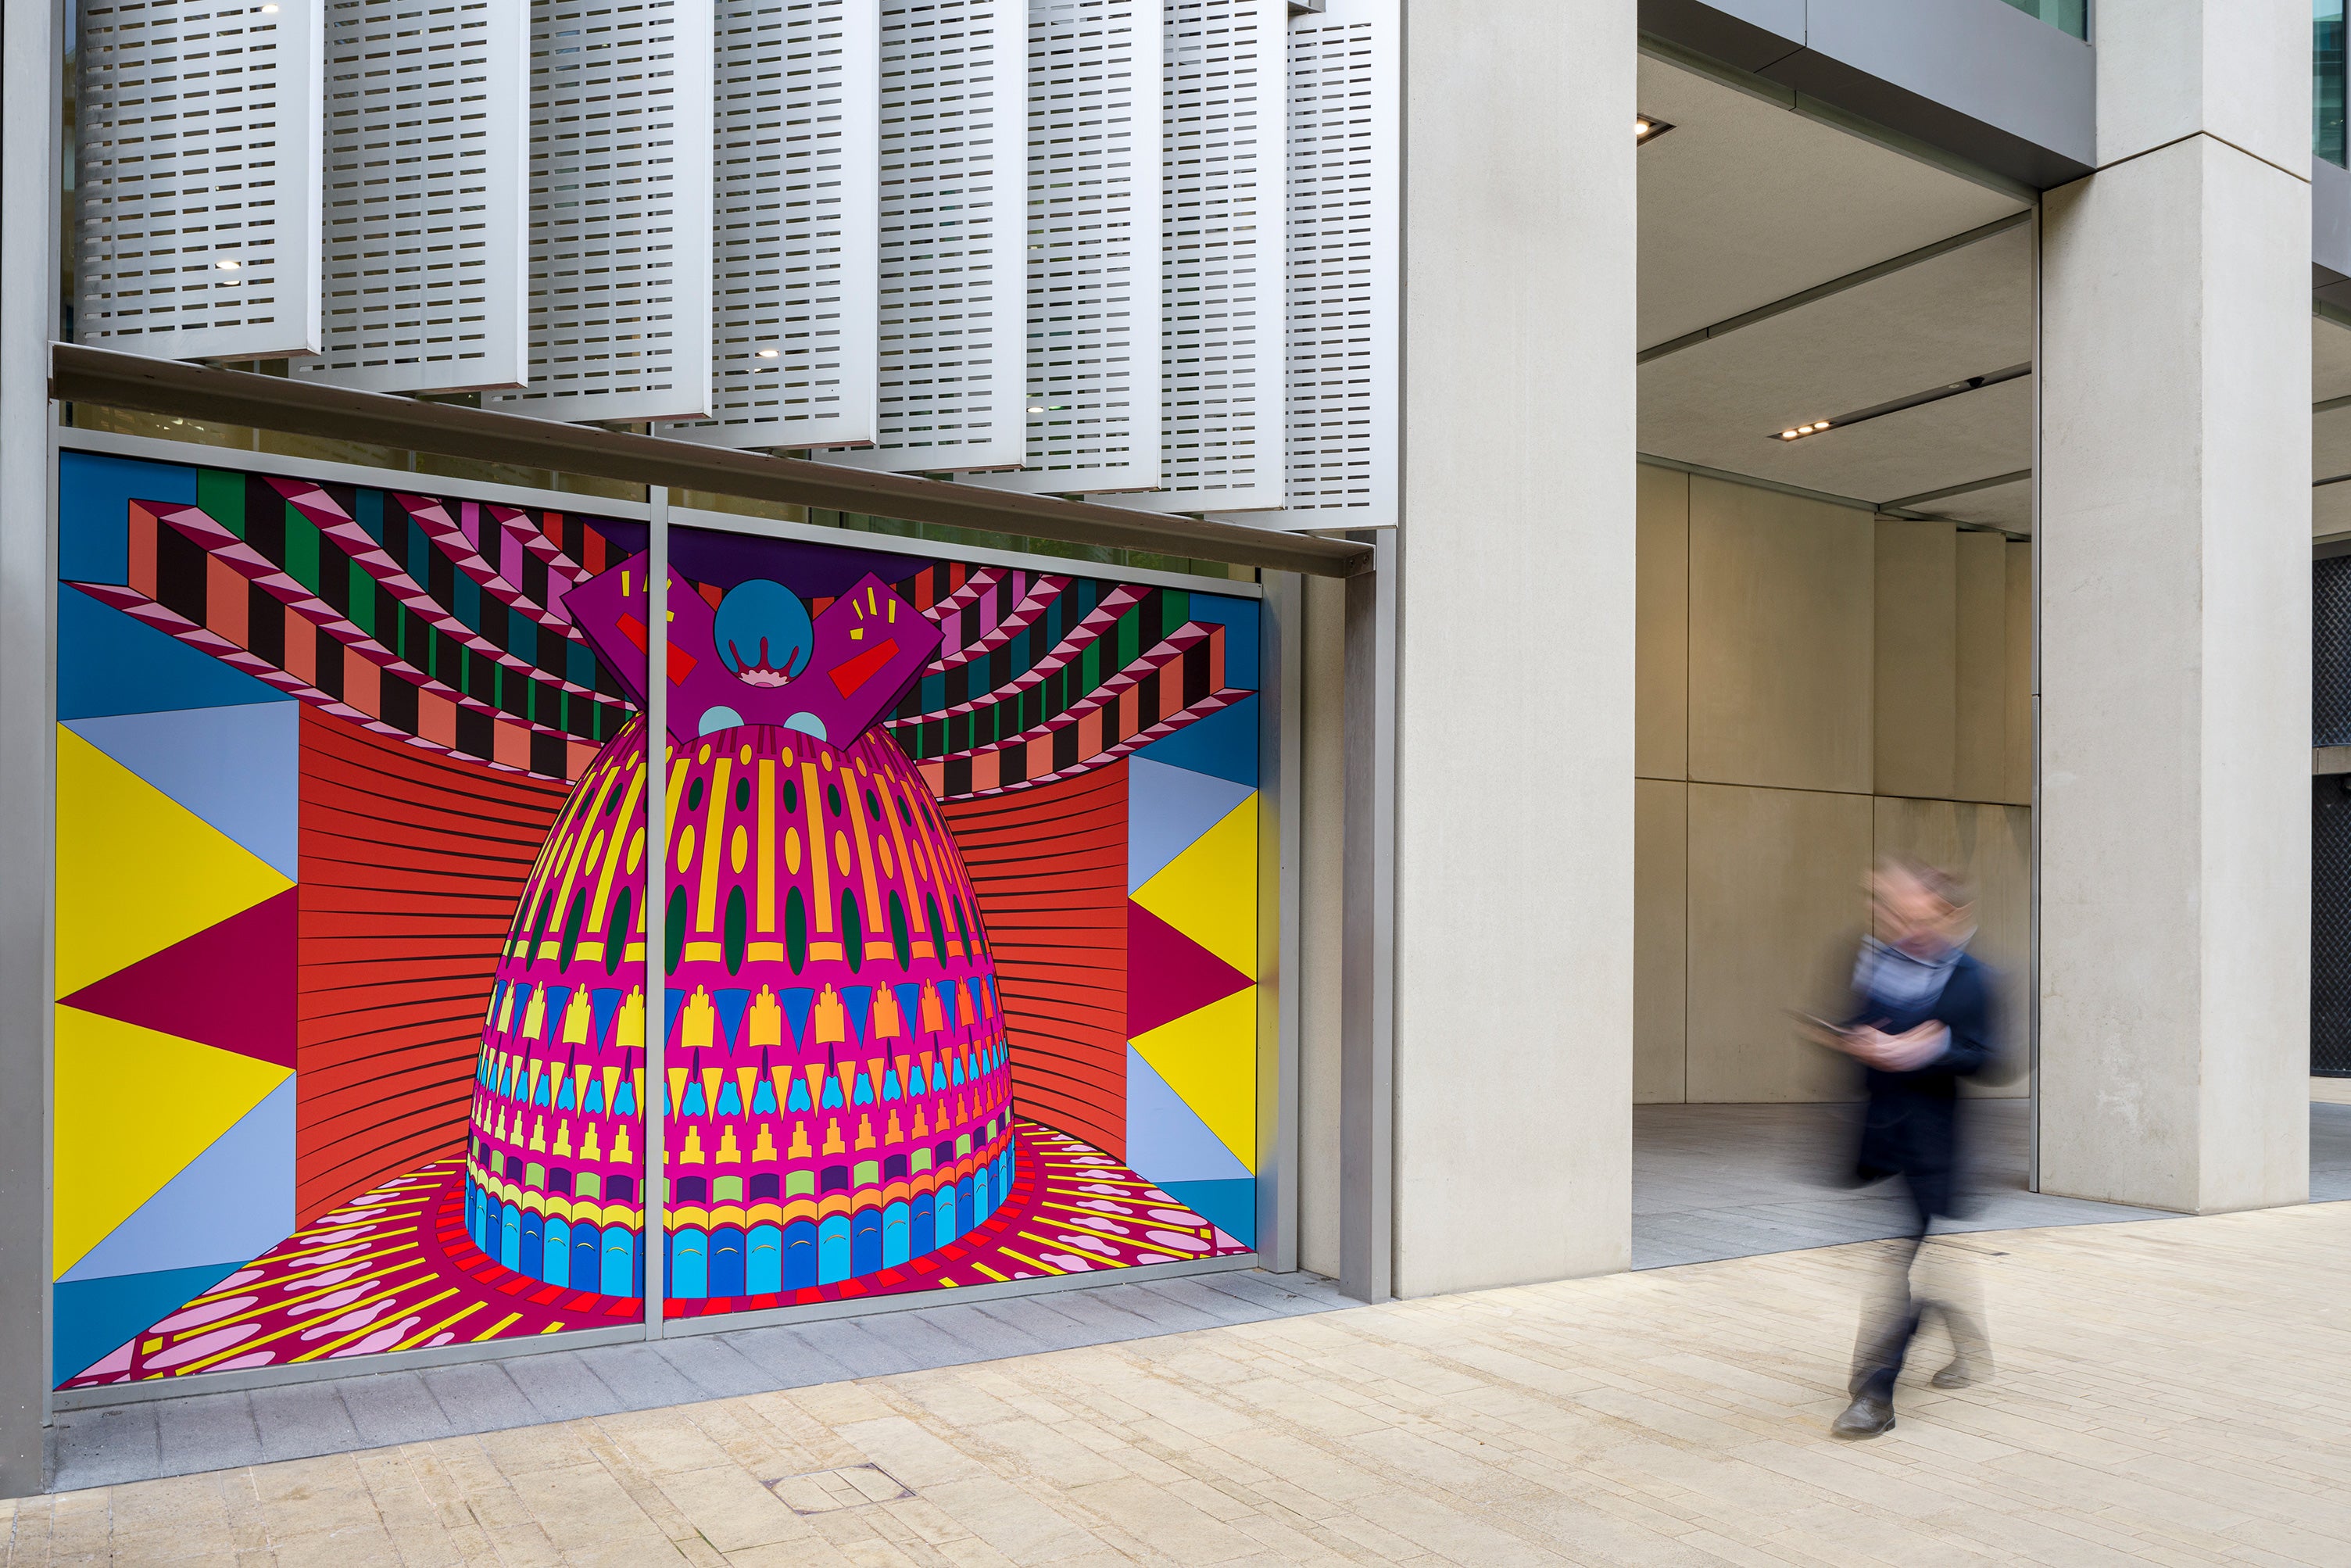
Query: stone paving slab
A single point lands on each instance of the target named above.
(2166, 1392)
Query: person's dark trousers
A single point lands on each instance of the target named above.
(1887, 1329)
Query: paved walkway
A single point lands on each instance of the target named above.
(2168, 1392)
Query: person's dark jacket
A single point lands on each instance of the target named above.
(1913, 1127)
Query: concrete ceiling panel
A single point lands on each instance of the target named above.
(2008, 506)
(2330, 511)
(2330, 443)
(1746, 203)
(2330, 359)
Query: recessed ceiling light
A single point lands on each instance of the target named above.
(225, 265)
(1648, 128)
(766, 353)
(269, 10)
(1036, 408)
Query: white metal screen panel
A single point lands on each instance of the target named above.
(620, 211)
(954, 188)
(794, 192)
(427, 161)
(1221, 256)
(1092, 405)
(196, 178)
(1343, 226)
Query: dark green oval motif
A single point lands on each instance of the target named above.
(616, 934)
(795, 930)
(572, 922)
(901, 942)
(674, 928)
(742, 794)
(833, 798)
(739, 926)
(791, 796)
(853, 936)
(693, 796)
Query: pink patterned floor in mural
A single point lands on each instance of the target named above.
(393, 1270)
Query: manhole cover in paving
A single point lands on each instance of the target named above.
(851, 1486)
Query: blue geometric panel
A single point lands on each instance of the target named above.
(234, 1200)
(93, 1316)
(109, 663)
(1222, 744)
(1167, 808)
(94, 494)
(1166, 1139)
(1231, 1206)
(238, 768)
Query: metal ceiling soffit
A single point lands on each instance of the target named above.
(116, 379)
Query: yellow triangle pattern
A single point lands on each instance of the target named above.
(136, 869)
(1210, 1058)
(133, 1107)
(1209, 892)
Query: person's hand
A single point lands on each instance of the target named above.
(1904, 1052)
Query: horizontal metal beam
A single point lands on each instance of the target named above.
(116, 379)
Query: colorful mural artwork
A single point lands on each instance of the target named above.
(959, 898)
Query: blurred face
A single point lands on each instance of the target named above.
(1908, 916)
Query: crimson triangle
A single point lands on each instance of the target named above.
(1168, 974)
(230, 986)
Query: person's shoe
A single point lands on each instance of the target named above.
(1963, 1370)
(1869, 1415)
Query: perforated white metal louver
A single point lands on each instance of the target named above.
(620, 211)
(196, 178)
(427, 161)
(1221, 256)
(1344, 217)
(795, 182)
(1093, 254)
(954, 177)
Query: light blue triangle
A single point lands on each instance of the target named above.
(1166, 1139)
(234, 1200)
(1167, 809)
(239, 768)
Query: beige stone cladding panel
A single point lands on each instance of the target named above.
(1780, 636)
(1661, 660)
(1660, 937)
(1775, 900)
(1992, 847)
(1917, 681)
(1980, 754)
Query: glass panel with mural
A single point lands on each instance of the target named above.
(961, 940)
(349, 965)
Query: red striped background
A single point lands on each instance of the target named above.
(411, 863)
(1050, 866)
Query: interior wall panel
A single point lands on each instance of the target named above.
(2016, 777)
(1661, 626)
(1775, 905)
(1915, 723)
(1980, 668)
(620, 211)
(427, 161)
(197, 132)
(796, 180)
(1660, 940)
(1780, 636)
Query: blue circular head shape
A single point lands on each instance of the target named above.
(763, 633)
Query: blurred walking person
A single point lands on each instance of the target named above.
(1920, 1021)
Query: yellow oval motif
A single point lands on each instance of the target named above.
(888, 867)
(738, 848)
(636, 851)
(792, 851)
(685, 847)
(841, 851)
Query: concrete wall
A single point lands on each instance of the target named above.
(1815, 688)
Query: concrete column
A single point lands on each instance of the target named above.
(2174, 620)
(1513, 840)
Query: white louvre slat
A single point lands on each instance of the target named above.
(1221, 269)
(953, 184)
(620, 211)
(1344, 221)
(794, 186)
(1092, 406)
(196, 176)
(426, 165)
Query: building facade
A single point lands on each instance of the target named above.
(1199, 636)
